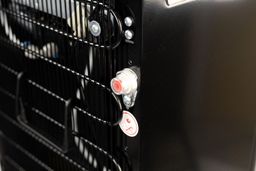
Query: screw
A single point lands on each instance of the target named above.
(130, 62)
(128, 21)
(95, 28)
(128, 34)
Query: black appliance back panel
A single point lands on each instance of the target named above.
(195, 103)
(56, 101)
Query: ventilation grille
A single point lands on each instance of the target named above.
(57, 81)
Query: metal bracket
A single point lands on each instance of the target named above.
(129, 99)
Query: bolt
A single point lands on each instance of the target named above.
(130, 62)
(95, 28)
(128, 21)
(128, 34)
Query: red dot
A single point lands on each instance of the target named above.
(117, 85)
(128, 121)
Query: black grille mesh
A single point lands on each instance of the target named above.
(56, 81)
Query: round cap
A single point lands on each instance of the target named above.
(116, 86)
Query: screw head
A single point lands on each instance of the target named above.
(128, 21)
(130, 62)
(128, 34)
(94, 28)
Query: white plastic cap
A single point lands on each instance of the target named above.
(125, 82)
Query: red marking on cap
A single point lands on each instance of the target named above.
(117, 85)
